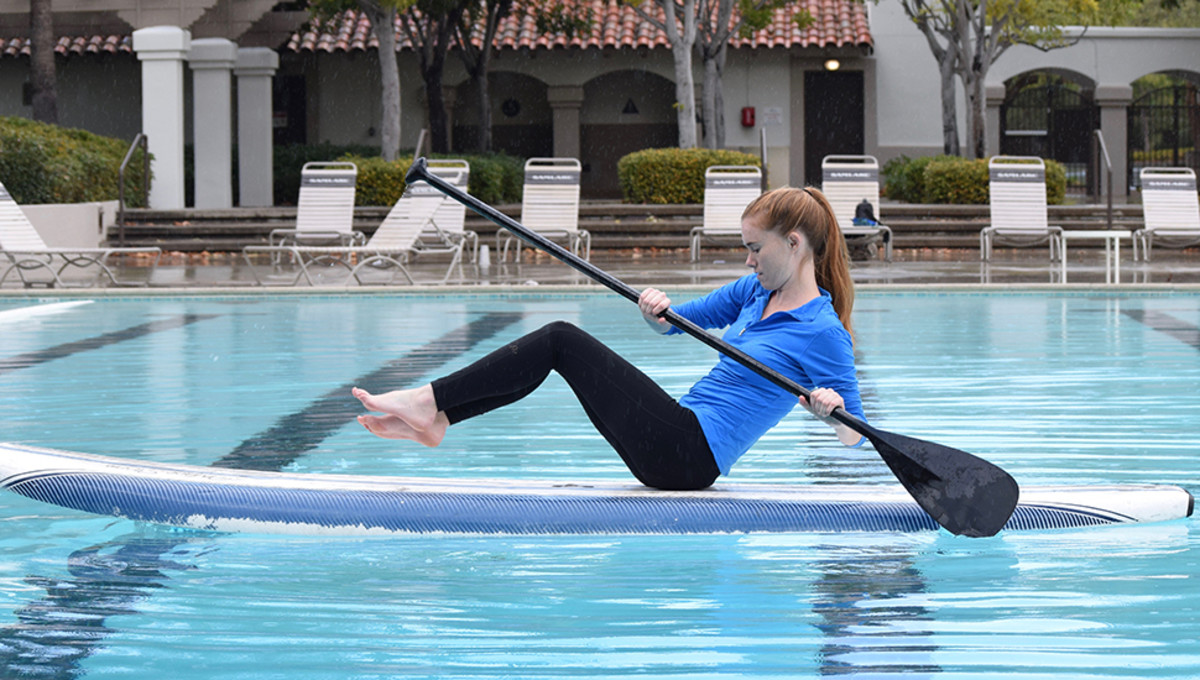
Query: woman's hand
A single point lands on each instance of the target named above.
(653, 303)
(822, 402)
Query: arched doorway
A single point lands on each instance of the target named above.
(522, 122)
(1049, 115)
(623, 112)
(1164, 123)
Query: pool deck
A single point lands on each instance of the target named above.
(195, 272)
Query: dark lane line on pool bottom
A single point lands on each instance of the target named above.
(55, 633)
(31, 359)
(1184, 332)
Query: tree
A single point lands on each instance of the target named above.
(476, 36)
(679, 23)
(482, 19)
(718, 26)
(968, 36)
(41, 66)
(382, 15)
(429, 25)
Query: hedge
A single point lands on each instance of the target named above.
(495, 178)
(954, 180)
(673, 175)
(42, 163)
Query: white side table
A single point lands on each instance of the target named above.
(1112, 249)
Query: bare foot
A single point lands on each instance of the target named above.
(415, 407)
(394, 427)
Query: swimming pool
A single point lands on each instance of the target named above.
(1062, 387)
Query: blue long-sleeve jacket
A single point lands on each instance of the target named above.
(809, 345)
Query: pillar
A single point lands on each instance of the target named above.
(255, 69)
(211, 61)
(995, 95)
(1114, 101)
(565, 103)
(162, 51)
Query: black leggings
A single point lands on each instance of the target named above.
(660, 441)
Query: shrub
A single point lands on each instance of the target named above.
(904, 177)
(42, 163)
(494, 178)
(672, 175)
(954, 180)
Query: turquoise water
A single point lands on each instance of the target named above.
(1055, 388)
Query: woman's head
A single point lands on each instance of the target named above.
(790, 211)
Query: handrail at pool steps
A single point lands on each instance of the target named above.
(962, 492)
(142, 141)
(1102, 150)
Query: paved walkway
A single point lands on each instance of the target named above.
(672, 268)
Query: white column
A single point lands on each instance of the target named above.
(212, 60)
(162, 51)
(256, 67)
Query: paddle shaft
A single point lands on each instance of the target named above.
(420, 171)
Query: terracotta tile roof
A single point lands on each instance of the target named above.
(68, 45)
(838, 23)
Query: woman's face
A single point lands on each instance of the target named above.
(775, 259)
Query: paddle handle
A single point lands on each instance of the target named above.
(420, 171)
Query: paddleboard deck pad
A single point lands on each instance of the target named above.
(229, 500)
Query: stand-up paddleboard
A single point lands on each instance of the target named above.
(227, 500)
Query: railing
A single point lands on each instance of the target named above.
(140, 140)
(1108, 174)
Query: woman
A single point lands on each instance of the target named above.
(792, 314)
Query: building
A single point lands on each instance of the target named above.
(860, 79)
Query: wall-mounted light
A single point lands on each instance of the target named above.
(832, 64)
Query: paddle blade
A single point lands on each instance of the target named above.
(965, 494)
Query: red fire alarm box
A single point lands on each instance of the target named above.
(747, 116)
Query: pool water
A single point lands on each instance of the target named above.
(1068, 387)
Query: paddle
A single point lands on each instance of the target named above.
(965, 494)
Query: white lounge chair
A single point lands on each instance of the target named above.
(450, 219)
(847, 181)
(550, 205)
(325, 208)
(1017, 197)
(728, 189)
(1171, 208)
(37, 264)
(410, 230)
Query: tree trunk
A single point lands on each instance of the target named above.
(713, 112)
(42, 74)
(383, 24)
(949, 108)
(431, 35)
(682, 44)
(439, 137)
(485, 106)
